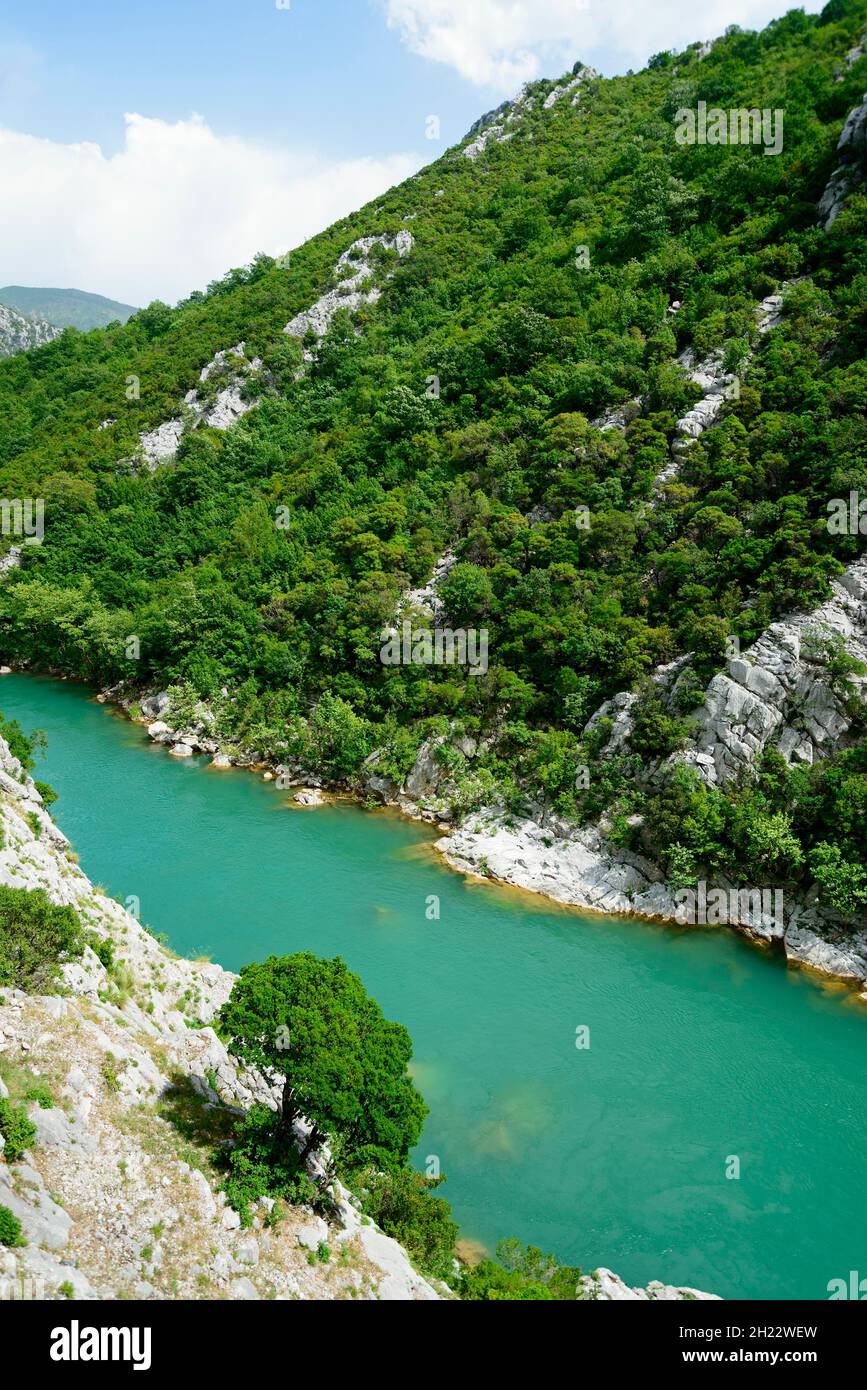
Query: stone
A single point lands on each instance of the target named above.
(309, 796)
(243, 1290)
(247, 1250)
(312, 1235)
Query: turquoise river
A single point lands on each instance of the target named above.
(701, 1046)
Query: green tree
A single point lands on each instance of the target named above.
(310, 1025)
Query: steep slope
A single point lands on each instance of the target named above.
(586, 387)
(66, 308)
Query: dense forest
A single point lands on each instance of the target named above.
(557, 275)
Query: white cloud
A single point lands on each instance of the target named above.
(175, 208)
(503, 43)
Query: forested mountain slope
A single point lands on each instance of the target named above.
(618, 377)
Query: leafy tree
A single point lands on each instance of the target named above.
(309, 1024)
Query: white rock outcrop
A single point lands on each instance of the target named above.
(604, 1287)
(778, 691)
(356, 285)
(716, 385)
(160, 445)
(851, 153)
(19, 333)
(427, 600)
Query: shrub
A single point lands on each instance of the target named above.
(10, 1229)
(402, 1204)
(261, 1164)
(42, 1096)
(36, 937)
(519, 1272)
(18, 1131)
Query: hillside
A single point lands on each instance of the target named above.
(66, 308)
(19, 333)
(581, 386)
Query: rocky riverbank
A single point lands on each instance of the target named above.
(773, 693)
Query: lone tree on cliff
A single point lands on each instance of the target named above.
(311, 1024)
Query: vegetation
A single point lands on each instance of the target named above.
(519, 1272)
(10, 1229)
(309, 1026)
(36, 937)
(17, 1130)
(401, 1203)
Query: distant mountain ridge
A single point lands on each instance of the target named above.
(65, 308)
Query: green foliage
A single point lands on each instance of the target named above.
(260, 1163)
(378, 478)
(842, 883)
(42, 1095)
(36, 938)
(18, 1131)
(343, 1065)
(10, 1229)
(47, 792)
(22, 746)
(402, 1204)
(519, 1272)
(102, 947)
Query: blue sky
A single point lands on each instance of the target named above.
(146, 145)
(325, 72)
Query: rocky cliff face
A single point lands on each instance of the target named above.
(851, 154)
(18, 333)
(778, 693)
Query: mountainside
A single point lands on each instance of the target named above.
(589, 393)
(66, 308)
(19, 333)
